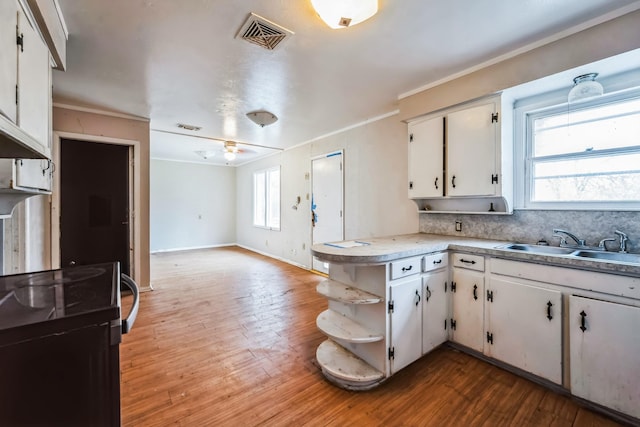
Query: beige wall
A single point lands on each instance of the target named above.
(599, 42)
(92, 124)
(375, 190)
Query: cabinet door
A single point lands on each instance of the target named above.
(605, 353)
(426, 161)
(9, 63)
(525, 323)
(435, 310)
(406, 322)
(34, 174)
(468, 308)
(34, 87)
(471, 151)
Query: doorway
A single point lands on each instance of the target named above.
(327, 202)
(94, 203)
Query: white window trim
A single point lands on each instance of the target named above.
(522, 151)
(266, 172)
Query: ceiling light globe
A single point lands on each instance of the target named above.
(345, 13)
(585, 87)
(229, 155)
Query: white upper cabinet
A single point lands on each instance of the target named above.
(25, 76)
(460, 159)
(426, 158)
(472, 146)
(9, 63)
(34, 84)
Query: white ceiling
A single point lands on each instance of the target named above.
(179, 62)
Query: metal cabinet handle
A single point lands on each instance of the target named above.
(549, 316)
(417, 298)
(453, 181)
(475, 292)
(407, 268)
(436, 183)
(583, 318)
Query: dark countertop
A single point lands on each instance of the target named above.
(381, 250)
(46, 302)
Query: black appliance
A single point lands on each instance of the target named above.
(60, 332)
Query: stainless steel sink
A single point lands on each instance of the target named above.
(609, 256)
(538, 249)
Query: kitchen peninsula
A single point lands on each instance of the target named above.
(549, 315)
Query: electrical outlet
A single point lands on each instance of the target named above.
(458, 225)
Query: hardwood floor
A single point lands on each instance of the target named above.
(228, 338)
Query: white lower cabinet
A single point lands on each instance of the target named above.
(406, 322)
(524, 327)
(435, 309)
(605, 353)
(381, 318)
(467, 322)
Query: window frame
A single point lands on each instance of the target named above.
(266, 198)
(525, 112)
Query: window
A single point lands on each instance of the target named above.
(266, 198)
(584, 156)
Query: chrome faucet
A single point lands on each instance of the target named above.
(563, 234)
(623, 241)
(603, 243)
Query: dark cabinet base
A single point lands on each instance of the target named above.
(68, 379)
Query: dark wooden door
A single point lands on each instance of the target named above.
(94, 203)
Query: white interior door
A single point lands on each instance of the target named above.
(327, 202)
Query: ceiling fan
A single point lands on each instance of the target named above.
(230, 151)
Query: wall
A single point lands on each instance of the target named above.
(601, 41)
(375, 197)
(103, 125)
(192, 205)
(529, 226)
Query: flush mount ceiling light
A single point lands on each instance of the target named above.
(345, 13)
(206, 154)
(585, 86)
(262, 118)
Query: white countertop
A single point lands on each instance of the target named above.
(380, 250)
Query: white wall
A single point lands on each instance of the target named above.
(192, 205)
(375, 179)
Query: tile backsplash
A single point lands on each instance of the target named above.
(529, 226)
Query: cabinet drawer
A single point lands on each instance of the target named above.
(405, 267)
(472, 262)
(435, 261)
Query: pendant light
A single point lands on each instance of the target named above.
(585, 86)
(345, 13)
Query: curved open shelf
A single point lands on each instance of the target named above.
(341, 327)
(337, 291)
(345, 369)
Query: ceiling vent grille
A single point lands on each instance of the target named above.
(263, 32)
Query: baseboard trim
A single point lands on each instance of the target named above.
(192, 248)
(285, 260)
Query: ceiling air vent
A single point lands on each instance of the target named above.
(263, 32)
